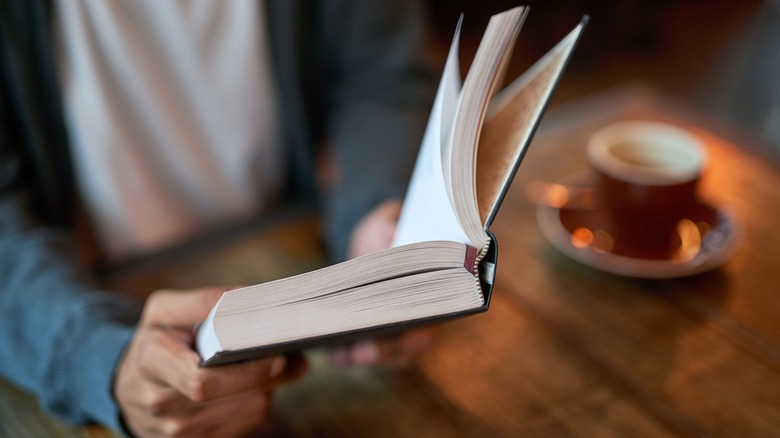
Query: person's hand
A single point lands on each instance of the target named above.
(162, 390)
(373, 233)
(397, 350)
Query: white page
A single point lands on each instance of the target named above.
(427, 213)
(206, 340)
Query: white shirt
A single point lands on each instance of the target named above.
(172, 115)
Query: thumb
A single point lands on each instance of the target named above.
(181, 308)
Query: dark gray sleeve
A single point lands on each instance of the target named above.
(385, 79)
(60, 337)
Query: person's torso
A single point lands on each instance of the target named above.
(172, 115)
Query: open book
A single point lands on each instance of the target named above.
(443, 260)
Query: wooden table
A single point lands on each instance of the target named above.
(565, 350)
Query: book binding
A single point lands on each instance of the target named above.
(486, 275)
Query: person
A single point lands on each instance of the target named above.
(158, 121)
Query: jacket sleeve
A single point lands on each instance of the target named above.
(60, 337)
(384, 81)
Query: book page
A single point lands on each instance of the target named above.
(486, 69)
(510, 124)
(427, 212)
(359, 278)
(393, 301)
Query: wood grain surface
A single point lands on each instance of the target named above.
(565, 350)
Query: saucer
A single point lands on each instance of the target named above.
(581, 230)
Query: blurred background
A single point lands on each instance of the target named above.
(721, 56)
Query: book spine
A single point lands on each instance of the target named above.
(474, 256)
(470, 262)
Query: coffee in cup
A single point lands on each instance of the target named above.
(647, 177)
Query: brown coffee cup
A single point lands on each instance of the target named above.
(647, 178)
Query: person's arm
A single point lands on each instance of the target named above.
(384, 82)
(77, 348)
(385, 77)
(60, 337)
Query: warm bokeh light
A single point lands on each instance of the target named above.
(599, 240)
(554, 195)
(603, 241)
(690, 240)
(560, 196)
(704, 227)
(581, 237)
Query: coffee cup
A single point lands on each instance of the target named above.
(647, 174)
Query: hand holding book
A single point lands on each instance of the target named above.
(376, 230)
(159, 383)
(375, 233)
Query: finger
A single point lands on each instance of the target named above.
(252, 411)
(391, 209)
(228, 417)
(150, 397)
(144, 401)
(181, 308)
(157, 400)
(178, 366)
(360, 353)
(389, 213)
(297, 366)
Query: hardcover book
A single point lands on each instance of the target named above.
(443, 260)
